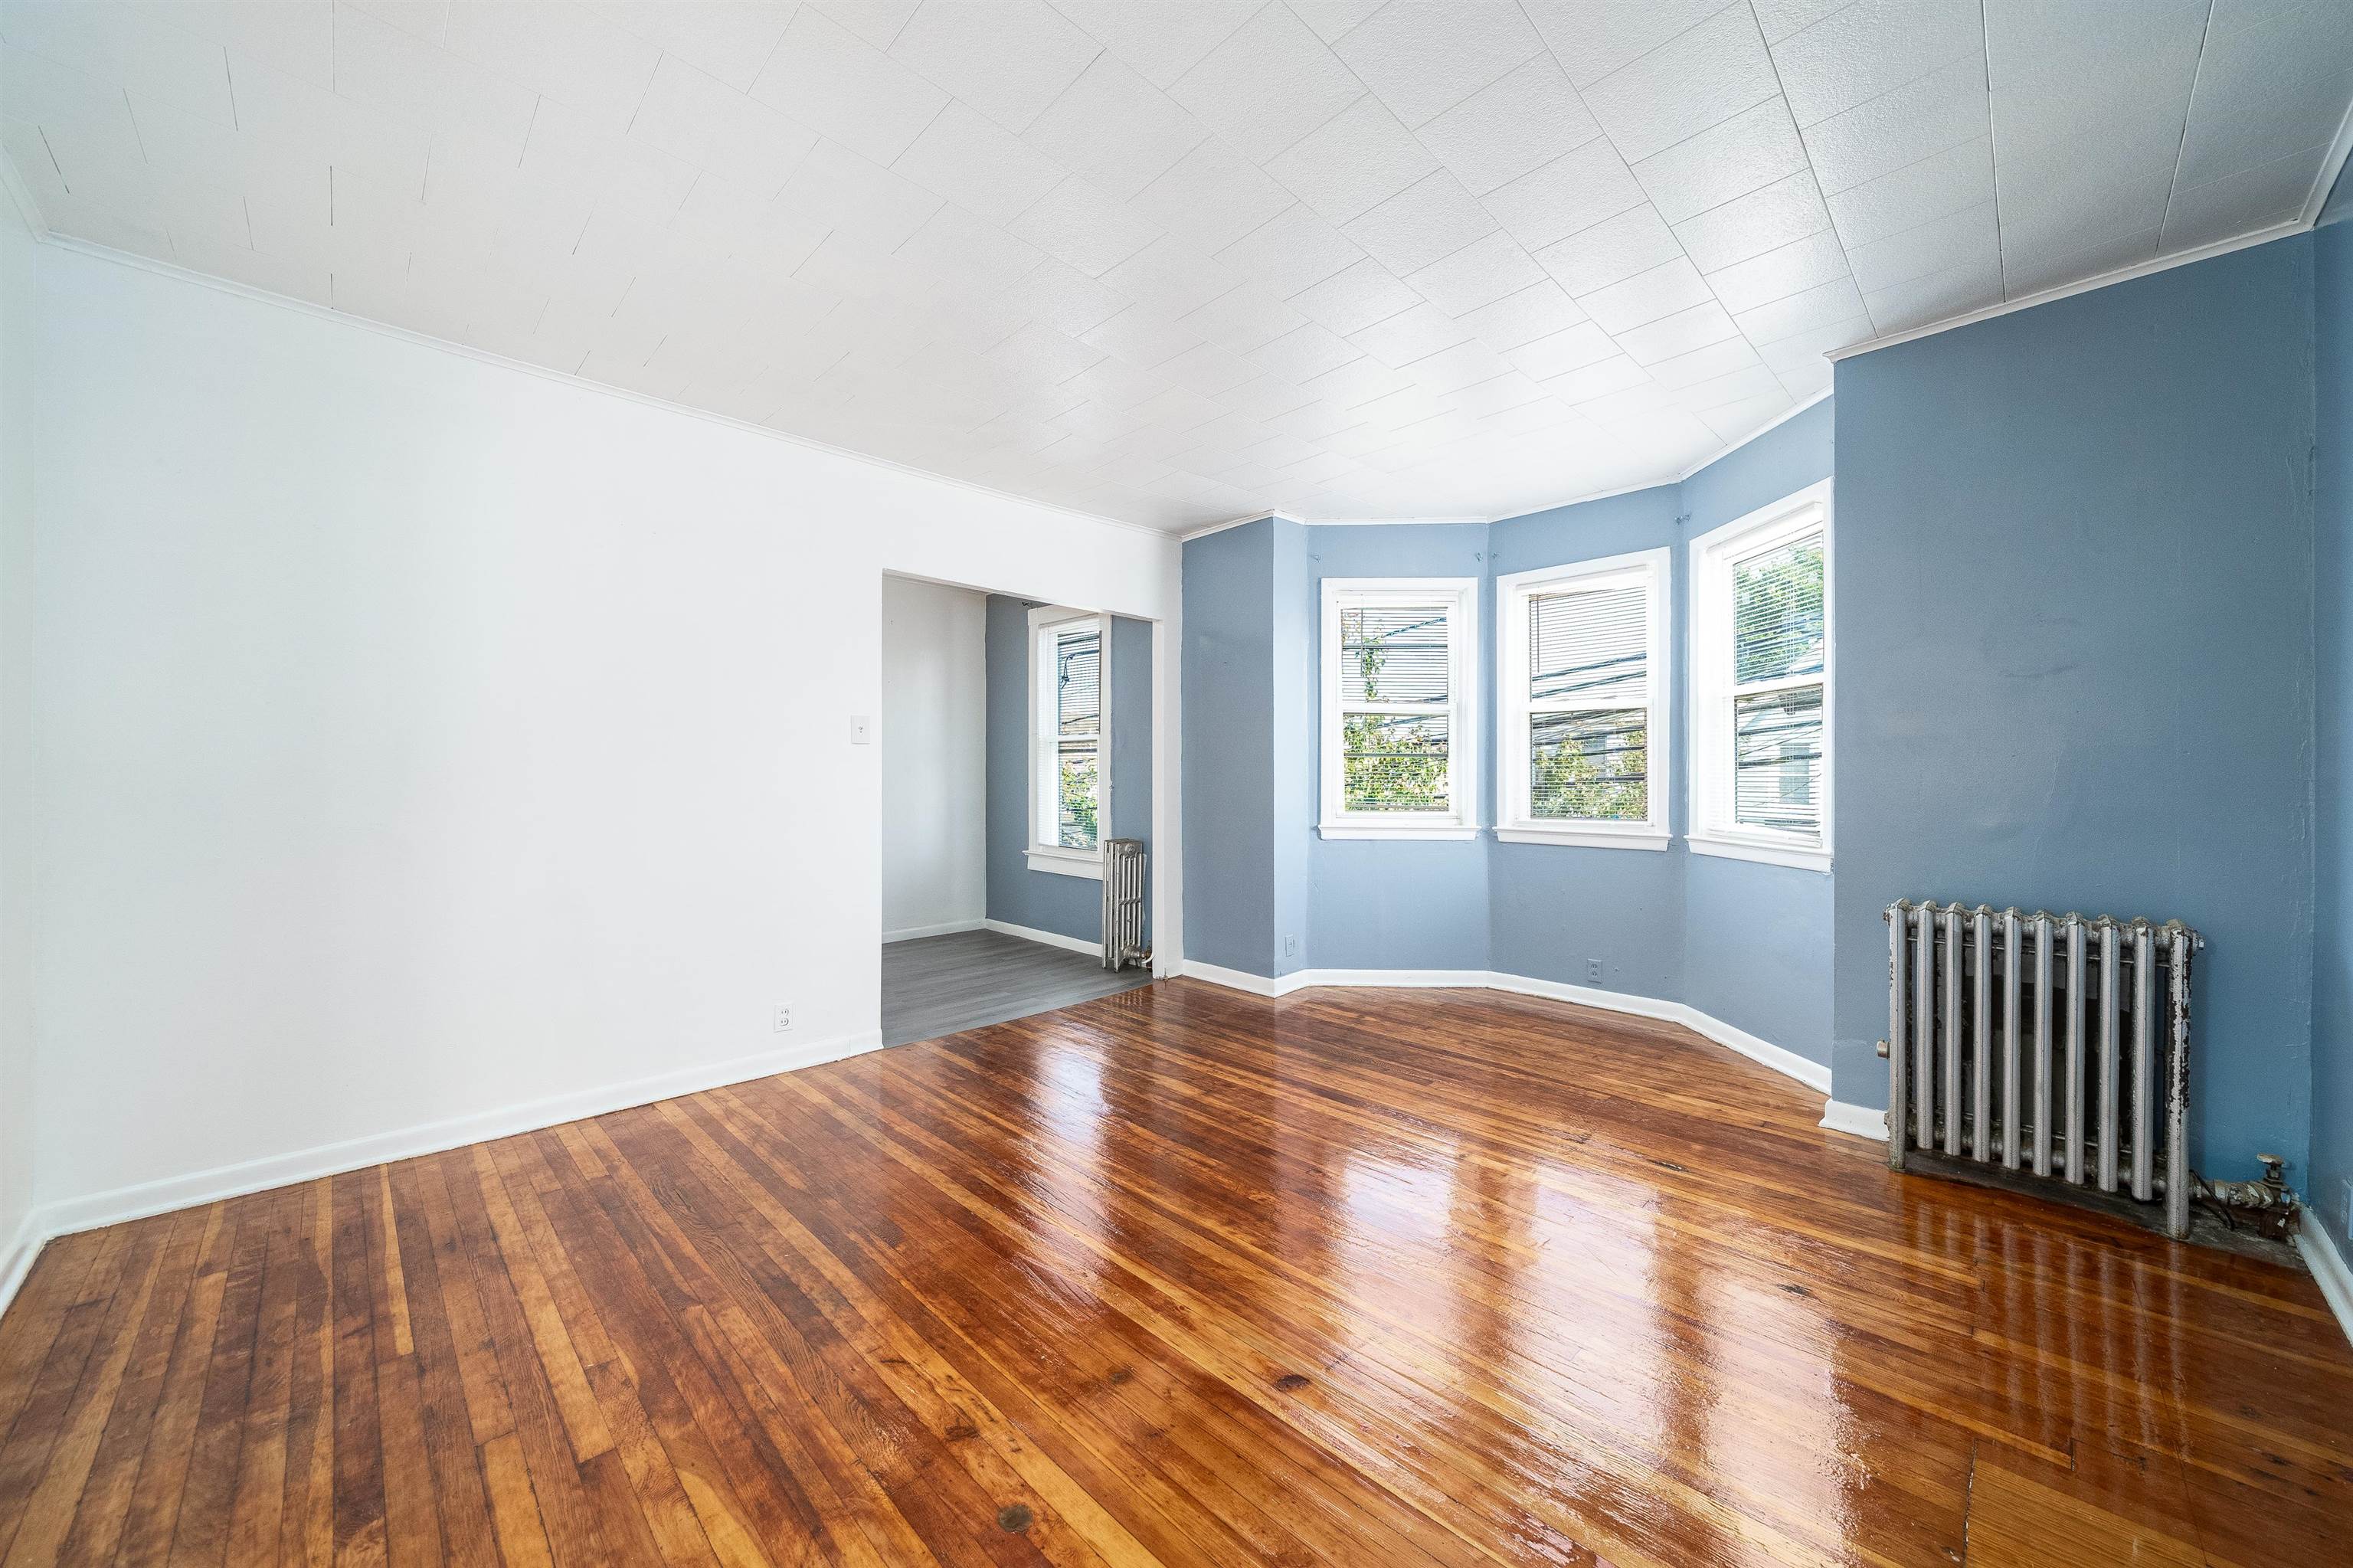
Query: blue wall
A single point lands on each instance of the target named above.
(1068, 905)
(1257, 870)
(1227, 670)
(2075, 650)
(2331, 1165)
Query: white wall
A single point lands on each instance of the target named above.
(935, 742)
(432, 744)
(19, 258)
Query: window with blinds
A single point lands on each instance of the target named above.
(1583, 667)
(1070, 763)
(1395, 703)
(1760, 683)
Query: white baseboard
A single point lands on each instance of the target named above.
(1861, 1120)
(17, 1257)
(1051, 938)
(1813, 1074)
(135, 1202)
(944, 928)
(2328, 1266)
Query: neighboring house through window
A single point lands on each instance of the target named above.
(1400, 690)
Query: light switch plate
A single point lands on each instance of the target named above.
(862, 730)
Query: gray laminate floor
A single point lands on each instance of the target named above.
(937, 985)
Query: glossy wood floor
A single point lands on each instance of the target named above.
(1178, 1277)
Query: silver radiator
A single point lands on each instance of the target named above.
(1123, 906)
(2045, 1044)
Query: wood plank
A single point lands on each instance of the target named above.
(1173, 1277)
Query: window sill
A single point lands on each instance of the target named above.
(1087, 866)
(1587, 838)
(1432, 831)
(1799, 856)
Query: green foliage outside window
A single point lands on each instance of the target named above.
(1389, 762)
(1077, 815)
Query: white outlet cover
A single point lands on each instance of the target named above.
(862, 730)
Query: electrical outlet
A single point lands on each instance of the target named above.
(783, 1020)
(1593, 970)
(1290, 946)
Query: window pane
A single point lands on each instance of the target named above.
(1591, 767)
(1393, 762)
(1391, 653)
(1077, 801)
(1777, 613)
(1777, 761)
(1077, 682)
(1595, 644)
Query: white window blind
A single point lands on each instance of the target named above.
(1583, 666)
(1760, 683)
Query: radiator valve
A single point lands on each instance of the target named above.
(2267, 1206)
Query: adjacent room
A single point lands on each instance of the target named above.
(1177, 783)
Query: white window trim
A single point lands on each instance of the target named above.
(1462, 596)
(1514, 821)
(1052, 857)
(1711, 831)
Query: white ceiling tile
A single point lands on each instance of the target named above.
(1479, 274)
(1557, 354)
(1809, 346)
(829, 79)
(1700, 77)
(970, 254)
(1064, 298)
(387, 69)
(1835, 301)
(296, 37)
(1422, 60)
(1432, 218)
(1521, 318)
(1009, 59)
(1213, 197)
(699, 119)
(1749, 384)
(2028, 270)
(1355, 297)
(1958, 177)
(134, 49)
(1175, 279)
(1511, 127)
(1293, 251)
(1082, 225)
(1809, 379)
(1353, 161)
(837, 187)
(1764, 219)
(1496, 394)
(1790, 268)
(567, 52)
(1357, 383)
(1750, 150)
(1041, 351)
(2236, 203)
(1162, 39)
(1118, 129)
(1862, 50)
(1725, 356)
(1333, 18)
(1968, 235)
(1679, 334)
(1943, 108)
(1661, 290)
(1206, 371)
(2271, 87)
(1452, 369)
(1737, 422)
(1268, 84)
(1246, 319)
(1612, 251)
(1969, 286)
(878, 22)
(1595, 37)
(1303, 354)
(1573, 192)
(979, 165)
(1409, 335)
(731, 41)
(1779, 18)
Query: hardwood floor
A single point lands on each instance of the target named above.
(1178, 1276)
(938, 985)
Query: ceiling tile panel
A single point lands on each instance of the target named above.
(1176, 259)
(1422, 60)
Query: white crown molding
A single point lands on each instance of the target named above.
(561, 377)
(2332, 165)
(22, 195)
(1814, 1074)
(2329, 1270)
(2080, 286)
